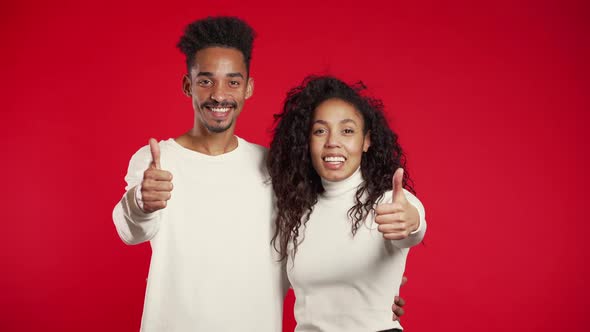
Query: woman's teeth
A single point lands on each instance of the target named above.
(334, 159)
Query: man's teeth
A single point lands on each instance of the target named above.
(334, 159)
(219, 109)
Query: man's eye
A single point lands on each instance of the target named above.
(234, 83)
(204, 82)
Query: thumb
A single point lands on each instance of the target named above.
(155, 150)
(397, 185)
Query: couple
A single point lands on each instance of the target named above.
(225, 248)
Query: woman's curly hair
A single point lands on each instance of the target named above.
(296, 183)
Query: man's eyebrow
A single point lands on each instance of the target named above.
(210, 74)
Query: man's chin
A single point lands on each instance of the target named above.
(218, 129)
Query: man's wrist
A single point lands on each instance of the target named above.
(138, 198)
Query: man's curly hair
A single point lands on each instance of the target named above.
(296, 183)
(220, 31)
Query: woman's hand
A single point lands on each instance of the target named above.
(399, 218)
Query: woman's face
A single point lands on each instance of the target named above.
(336, 139)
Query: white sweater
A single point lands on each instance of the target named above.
(344, 283)
(212, 266)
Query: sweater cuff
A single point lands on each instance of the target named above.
(421, 221)
(135, 206)
(421, 230)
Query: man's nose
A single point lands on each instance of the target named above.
(219, 93)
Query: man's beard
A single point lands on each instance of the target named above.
(211, 104)
(217, 129)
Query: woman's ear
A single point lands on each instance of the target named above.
(367, 142)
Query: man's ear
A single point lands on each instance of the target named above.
(186, 85)
(250, 87)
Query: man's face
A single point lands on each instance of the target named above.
(218, 85)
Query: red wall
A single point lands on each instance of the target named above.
(491, 101)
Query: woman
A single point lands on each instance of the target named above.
(341, 228)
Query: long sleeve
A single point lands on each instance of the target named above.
(133, 225)
(418, 235)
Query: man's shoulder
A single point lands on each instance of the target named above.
(164, 145)
(253, 147)
(144, 154)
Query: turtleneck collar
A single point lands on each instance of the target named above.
(337, 188)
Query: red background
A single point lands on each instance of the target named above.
(490, 100)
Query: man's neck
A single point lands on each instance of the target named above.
(208, 143)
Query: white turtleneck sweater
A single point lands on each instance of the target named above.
(344, 283)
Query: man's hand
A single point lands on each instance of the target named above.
(397, 306)
(399, 218)
(156, 186)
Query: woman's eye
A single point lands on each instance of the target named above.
(349, 131)
(319, 131)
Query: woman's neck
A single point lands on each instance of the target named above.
(337, 188)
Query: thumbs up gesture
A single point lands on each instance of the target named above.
(156, 186)
(398, 218)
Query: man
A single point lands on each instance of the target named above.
(212, 267)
